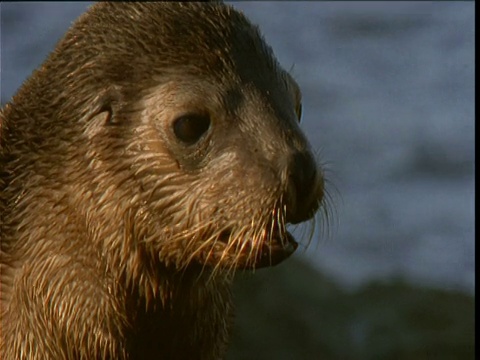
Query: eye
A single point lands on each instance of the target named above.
(190, 128)
(298, 110)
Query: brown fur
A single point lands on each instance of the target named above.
(117, 240)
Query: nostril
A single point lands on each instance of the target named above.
(303, 177)
(304, 172)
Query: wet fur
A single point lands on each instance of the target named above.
(110, 233)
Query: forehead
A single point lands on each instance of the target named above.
(197, 38)
(203, 91)
(212, 45)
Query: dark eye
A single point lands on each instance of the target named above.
(190, 128)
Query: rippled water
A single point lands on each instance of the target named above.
(389, 106)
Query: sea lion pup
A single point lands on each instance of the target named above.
(156, 151)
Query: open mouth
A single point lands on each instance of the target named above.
(274, 249)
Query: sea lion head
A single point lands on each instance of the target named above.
(195, 154)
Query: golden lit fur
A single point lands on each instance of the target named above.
(118, 241)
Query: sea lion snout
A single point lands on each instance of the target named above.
(304, 189)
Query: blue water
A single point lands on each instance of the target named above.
(388, 94)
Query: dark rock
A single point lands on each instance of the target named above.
(294, 312)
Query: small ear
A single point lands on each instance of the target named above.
(111, 101)
(103, 112)
(108, 101)
(96, 124)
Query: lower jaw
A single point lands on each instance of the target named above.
(272, 252)
(276, 252)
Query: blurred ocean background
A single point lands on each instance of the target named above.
(388, 91)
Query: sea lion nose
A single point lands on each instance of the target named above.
(304, 189)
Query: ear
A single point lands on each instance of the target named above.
(110, 101)
(96, 124)
(103, 112)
